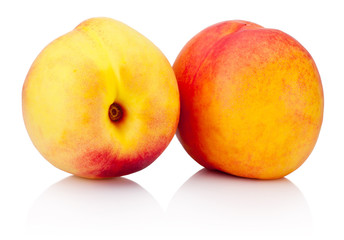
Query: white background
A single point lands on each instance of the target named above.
(170, 199)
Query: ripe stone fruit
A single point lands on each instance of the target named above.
(101, 101)
(251, 100)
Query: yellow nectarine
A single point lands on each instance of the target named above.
(101, 101)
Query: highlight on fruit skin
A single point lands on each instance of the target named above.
(251, 100)
(101, 101)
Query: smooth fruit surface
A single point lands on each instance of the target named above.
(101, 101)
(251, 100)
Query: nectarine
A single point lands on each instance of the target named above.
(251, 100)
(101, 101)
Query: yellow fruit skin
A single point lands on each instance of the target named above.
(251, 100)
(72, 83)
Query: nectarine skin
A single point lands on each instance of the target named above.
(101, 101)
(251, 100)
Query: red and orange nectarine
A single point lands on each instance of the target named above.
(251, 100)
